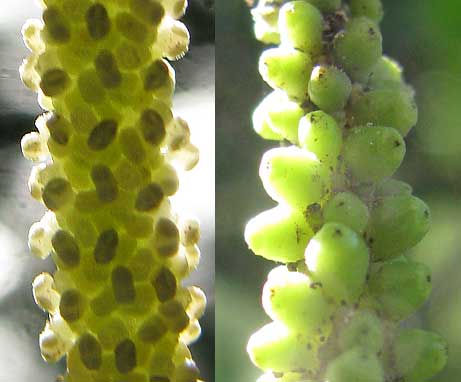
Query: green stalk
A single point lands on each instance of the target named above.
(106, 154)
(342, 226)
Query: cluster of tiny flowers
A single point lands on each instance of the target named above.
(106, 154)
(342, 226)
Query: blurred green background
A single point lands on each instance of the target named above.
(425, 37)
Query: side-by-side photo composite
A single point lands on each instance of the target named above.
(230, 190)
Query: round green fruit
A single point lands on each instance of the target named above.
(419, 355)
(301, 27)
(337, 257)
(347, 208)
(355, 365)
(294, 176)
(287, 69)
(296, 301)
(400, 287)
(397, 223)
(276, 348)
(279, 234)
(358, 48)
(373, 153)
(320, 134)
(329, 88)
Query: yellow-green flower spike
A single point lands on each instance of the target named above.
(341, 227)
(106, 156)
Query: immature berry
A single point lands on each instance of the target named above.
(337, 257)
(401, 288)
(393, 187)
(419, 355)
(373, 9)
(347, 208)
(358, 48)
(275, 347)
(329, 88)
(364, 330)
(301, 26)
(372, 153)
(386, 72)
(279, 234)
(293, 176)
(356, 365)
(260, 118)
(284, 115)
(397, 223)
(390, 106)
(296, 301)
(320, 134)
(287, 69)
(265, 17)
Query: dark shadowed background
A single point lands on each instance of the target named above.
(425, 37)
(20, 320)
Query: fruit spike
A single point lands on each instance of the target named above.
(105, 155)
(342, 226)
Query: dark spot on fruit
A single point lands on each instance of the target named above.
(291, 267)
(316, 285)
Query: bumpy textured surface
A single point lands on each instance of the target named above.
(107, 150)
(342, 226)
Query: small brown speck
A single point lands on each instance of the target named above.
(292, 267)
(316, 285)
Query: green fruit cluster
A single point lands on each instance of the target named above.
(106, 154)
(342, 226)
